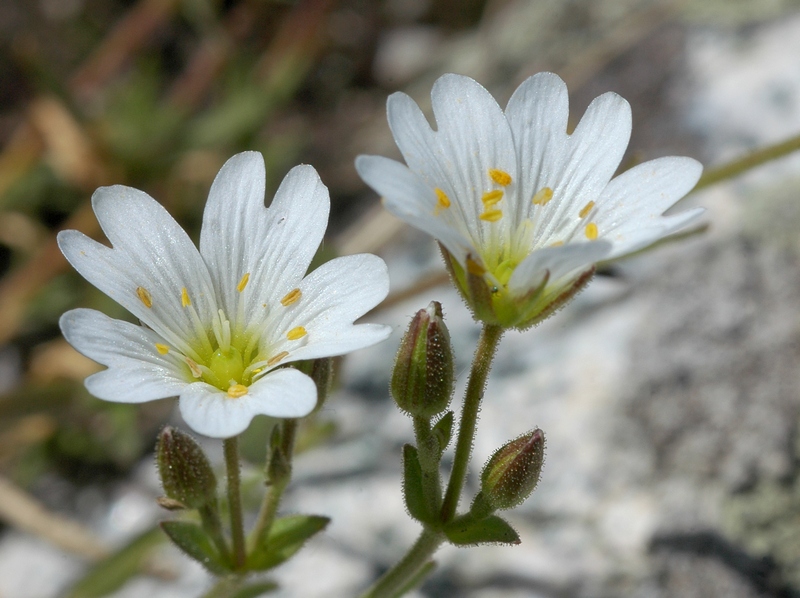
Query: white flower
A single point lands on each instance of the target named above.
(522, 209)
(218, 323)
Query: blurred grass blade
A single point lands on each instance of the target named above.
(111, 573)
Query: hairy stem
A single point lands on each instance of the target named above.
(231, 446)
(481, 364)
(397, 578)
(272, 499)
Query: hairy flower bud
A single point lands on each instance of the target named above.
(422, 379)
(513, 471)
(185, 472)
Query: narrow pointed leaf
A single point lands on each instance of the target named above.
(192, 540)
(491, 530)
(287, 536)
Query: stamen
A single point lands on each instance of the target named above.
(591, 231)
(490, 198)
(222, 330)
(291, 297)
(491, 215)
(475, 268)
(542, 196)
(185, 301)
(557, 244)
(500, 177)
(296, 333)
(442, 200)
(243, 283)
(163, 349)
(273, 360)
(237, 390)
(586, 209)
(144, 296)
(196, 371)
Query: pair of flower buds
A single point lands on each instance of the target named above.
(522, 210)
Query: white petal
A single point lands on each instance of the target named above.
(560, 262)
(472, 137)
(283, 393)
(137, 372)
(150, 251)
(406, 196)
(538, 113)
(591, 155)
(630, 209)
(333, 297)
(234, 223)
(274, 245)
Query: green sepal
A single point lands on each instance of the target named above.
(286, 536)
(193, 541)
(412, 486)
(466, 531)
(443, 431)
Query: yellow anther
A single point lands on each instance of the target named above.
(586, 209)
(237, 390)
(163, 349)
(243, 283)
(490, 198)
(441, 197)
(491, 215)
(296, 333)
(144, 296)
(292, 296)
(475, 268)
(557, 244)
(185, 301)
(501, 177)
(591, 231)
(257, 371)
(542, 196)
(280, 356)
(196, 371)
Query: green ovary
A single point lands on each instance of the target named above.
(227, 367)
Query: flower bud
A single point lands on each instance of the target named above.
(185, 472)
(513, 471)
(422, 379)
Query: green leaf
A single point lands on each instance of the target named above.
(412, 486)
(286, 537)
(466, 531)
(111, 573)
(192, 540)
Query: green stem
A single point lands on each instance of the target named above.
(481, 364)
(756, 158)
(272, 499)
(231, 446)
(397, 578)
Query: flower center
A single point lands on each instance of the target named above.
(229, 356)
